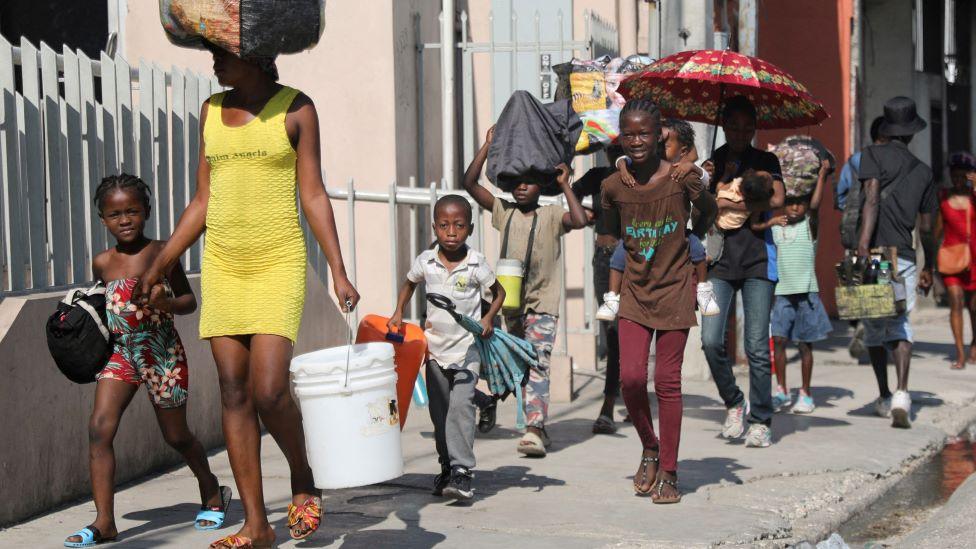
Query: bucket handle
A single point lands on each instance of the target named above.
(345, 384)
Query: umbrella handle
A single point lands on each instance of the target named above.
(443, 302)
(718, 116)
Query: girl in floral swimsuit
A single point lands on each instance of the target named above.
(146, 349)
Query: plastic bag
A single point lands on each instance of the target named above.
(531, 139)
(247, 28)
(591, 86)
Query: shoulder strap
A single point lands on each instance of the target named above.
(279, 104)
(887, 191)
(508, 227)
(528, 246)
(969, 221)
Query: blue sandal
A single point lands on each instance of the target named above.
(90, 537)
(215, 515)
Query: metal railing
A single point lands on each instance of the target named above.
(67, 121)
(420, 201)
(599, 38)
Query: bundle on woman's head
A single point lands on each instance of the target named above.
(246, 28)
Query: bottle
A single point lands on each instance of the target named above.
(884, 273)
(871, 274)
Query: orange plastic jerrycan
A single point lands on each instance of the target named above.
(410, 351)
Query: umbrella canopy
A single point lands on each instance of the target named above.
(505, 359)
(692, 85)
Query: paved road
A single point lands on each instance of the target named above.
(821, 469)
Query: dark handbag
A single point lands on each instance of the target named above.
(77, 334)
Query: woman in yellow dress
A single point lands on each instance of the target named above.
(257, 140)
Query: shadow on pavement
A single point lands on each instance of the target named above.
(695, 474)
(825, 397)
(181, 514)
(786, 424)
(702, 407)
(570, 432)
(352, 515)
(945, 350)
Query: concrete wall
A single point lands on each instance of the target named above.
(889, 68)
(44, 455)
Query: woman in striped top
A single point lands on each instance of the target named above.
(798, 315)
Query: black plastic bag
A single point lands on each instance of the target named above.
(531, 139)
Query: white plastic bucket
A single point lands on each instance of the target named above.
(352, 429)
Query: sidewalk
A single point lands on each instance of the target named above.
(820, 469)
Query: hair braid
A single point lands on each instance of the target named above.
(645, 106)
(123, 181)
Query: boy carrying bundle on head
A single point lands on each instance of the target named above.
(531, 235)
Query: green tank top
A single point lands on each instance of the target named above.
(796, 253)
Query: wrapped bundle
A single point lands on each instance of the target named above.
(531, 139)
(800, 157)
(591, 86)
(247, 28)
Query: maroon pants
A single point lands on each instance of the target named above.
(635, 343)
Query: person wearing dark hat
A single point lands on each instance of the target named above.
(957, 210)
(848, 174)
(889, 221)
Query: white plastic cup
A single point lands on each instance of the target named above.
(510, 273)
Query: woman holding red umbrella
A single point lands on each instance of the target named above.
(747, 265)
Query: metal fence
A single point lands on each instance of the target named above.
(66, 121)
(420, 202)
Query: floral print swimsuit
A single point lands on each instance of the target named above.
(146, 347)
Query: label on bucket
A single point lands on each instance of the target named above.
(382, 414)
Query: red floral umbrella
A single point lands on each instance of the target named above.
(691, 85)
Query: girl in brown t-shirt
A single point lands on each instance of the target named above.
(658, 293)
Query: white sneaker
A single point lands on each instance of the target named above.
(882, 407)
(611, 305)
(901, 409)
(707, 303)
(735, 421)
(759, 436)
(804, 404)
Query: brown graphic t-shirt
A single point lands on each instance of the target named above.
(658, 287)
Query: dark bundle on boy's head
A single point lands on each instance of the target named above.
(454, 200)
(756, 186)
(682, 130)
(123, 181)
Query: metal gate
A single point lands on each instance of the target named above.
(518, 63)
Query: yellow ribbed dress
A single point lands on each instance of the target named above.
(253, 275)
